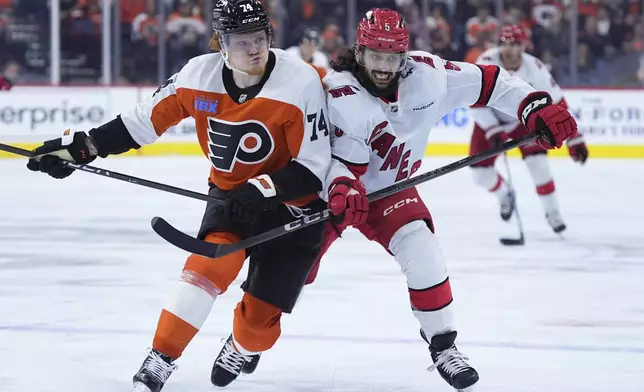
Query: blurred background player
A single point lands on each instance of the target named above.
(308, 50)
(382, 100)
(264, 152)
(493, 128)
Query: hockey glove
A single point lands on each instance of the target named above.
(577, 149)
(247, 203)
(72, 146)
(497, 135)
(552, 122)
(348, 202)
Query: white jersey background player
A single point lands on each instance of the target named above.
(308, 51)
(493, 127)
(382, 102)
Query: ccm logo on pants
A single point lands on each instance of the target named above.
(399, 204)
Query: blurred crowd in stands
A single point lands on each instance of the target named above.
(609, 48)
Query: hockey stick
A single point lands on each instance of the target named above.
(521, 239)
(193, 245)
(119, 176)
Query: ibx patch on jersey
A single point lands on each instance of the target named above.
(206, 105)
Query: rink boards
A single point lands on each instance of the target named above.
(611, 120)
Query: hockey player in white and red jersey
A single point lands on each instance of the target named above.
(492, 127)
(382, 102)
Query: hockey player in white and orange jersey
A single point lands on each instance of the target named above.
(493, 127)
(308, 51)
(382, 102)
(261, 121)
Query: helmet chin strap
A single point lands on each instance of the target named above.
(224, 54)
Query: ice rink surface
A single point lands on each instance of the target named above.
(83, 278)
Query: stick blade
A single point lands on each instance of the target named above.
(512, 241)
(182, 240)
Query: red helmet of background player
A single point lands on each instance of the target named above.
(513, 33)
(383, 30)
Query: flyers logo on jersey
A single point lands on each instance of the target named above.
(248, 142)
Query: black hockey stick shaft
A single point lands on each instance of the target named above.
(119, 176)
(521, 239)
(207, 249)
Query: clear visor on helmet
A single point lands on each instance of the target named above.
(376, 60)
(256, 41)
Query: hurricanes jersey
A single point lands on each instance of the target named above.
(387, 139)
(533, 71)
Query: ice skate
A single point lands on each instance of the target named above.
(250, 366)
(154, 372)
(555, 221)
(230, 363)
(508, 203)
(450, 362)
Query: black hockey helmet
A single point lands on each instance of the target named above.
(238, 16)
(311, 36)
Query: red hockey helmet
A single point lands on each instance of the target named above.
(383, 30)
(513, 33)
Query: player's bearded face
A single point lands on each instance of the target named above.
(381, 67)
(247, 52)
(511, 51)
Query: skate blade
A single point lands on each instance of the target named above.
(140, 387)
(468, 389)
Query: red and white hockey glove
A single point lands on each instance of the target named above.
(497, 135)
(577, 149)
(552, 122)
(348, 202)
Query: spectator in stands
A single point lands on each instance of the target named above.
(483, 42)
(145, 39)
(593, 44)
(275, 15)
(332, 40)
(186, 34)
(622, 29)
(640, 72)
(481, 22)
(440, 33)
(81, 40)
(418, 30)
(305, 16)
(9, 75)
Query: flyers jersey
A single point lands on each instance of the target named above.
(242, 132)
